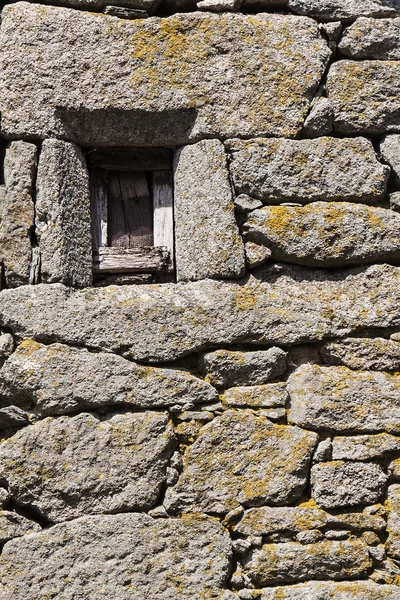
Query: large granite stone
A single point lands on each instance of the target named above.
(331, 10)
(126, 556)
(242, 458)
(390, 152)
(207, 239)
(303, 171)
(377, 354)
(63, 215)
(156, 81)
(364, 447)
(291, 562)
(341, 400)
(329, 590)
(17, 212)
(68, 467)
(365, 96)
(372, 39)
(14, 525)
(57, 379)
(324, 234)
(225, 368)
(163, 322)
(338, 484)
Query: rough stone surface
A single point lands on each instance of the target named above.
(338, 399)
(6, 345)
(125, 13)
(377, 354)
(390, 152)
(326, 234)
(163, 322)
(127, 556)
(345, 9)
(256, 255)
(271, 395)
(393, 522)
(225, 368)
(148, 5)
(329, 590)
(12, 416)
(372, 39)
(17, 212)
(57, 379)
(338, 484)
(291, 562)
(207, 239)
(365, 96)
(219, 5)
(63, 215)
(364, 447)
(267, 521)
(242, 458)
(320, 119)
(72, 466)
(303, 171)
(13, 525)
(160, 81)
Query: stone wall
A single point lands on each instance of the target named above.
(233, 434)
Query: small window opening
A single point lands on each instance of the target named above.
(132, 215)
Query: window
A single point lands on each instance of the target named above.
(132, 214)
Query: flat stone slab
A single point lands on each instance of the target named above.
(303, 171)
(127, 556)
(292, 562)
(324, 234)
(372, 39)
(156, 81)
(13, 525)
(329, 590)
(365, 96)
(377, 354)
(331, 10)
(58, 379)
(241, 458)
(338, 484)
(364, 447)
(163, 322)
(341, 400)
(270, 395)
(72, 466)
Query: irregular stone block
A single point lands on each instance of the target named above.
(17, 212)
(163, 322)
(338, 399)
(393, 522)
(57, 379)
(256, 255)
(224, 368)
(320, 119)
(63, 215)
(330, 10)
(207, 239)
(271, 395)
(363, 354)
(161, 81)
(364, 447)
(292, 520)
(338, 484)
(12, 416)
(126, 556)
(291, 562)
(303, 171)
(372, 39)
(125, 13)
(241, 458)
(390, 152)
(325, 234)
(332, 30)
(394, 470)
(95, 5)
(13, 525)
(329, 590)
(6, 345)
(71, 466)
(365, 96)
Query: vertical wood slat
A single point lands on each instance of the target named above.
(98, 205)
(130, 210)
(163, 225)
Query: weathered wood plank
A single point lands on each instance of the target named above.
(98, 206)
(130, 210)
(163, 216)
(130, 260)
(128, 159)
